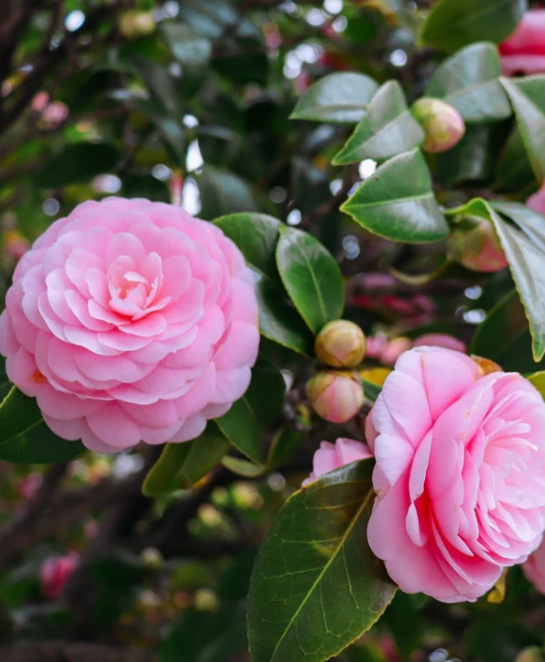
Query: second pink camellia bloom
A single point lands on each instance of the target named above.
(460, 460)
(524, 51)
(130, 320)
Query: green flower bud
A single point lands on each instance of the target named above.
(340, 344)
(443, 125)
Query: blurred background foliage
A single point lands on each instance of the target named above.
(190, 101)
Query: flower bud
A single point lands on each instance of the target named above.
(475, 245)
(336, 396)
(340, 344)
(443, 125)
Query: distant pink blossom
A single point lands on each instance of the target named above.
(523, 52)
(55, 573)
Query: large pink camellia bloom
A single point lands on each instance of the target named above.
(130, 320)
(524, 51)
(459, 475)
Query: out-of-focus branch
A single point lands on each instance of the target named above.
(64, 651)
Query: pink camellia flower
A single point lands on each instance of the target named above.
(460, 460)
(524, 51)
(55, 572)
(334, 456)
(130, 320)
(534, 568)
(440, 340)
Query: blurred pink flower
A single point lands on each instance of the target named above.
(537, 200)
(130, 320)
(333, 456)
(524, 50)
(460, 459)
(440, 340)
(55, 572)
(534, 568)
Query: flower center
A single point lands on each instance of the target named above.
(133, 289)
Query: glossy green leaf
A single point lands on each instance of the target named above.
(283, 446)
(526, 260)
(159, 82)
(166, 474)
(39, 445)
(256, 235)
(316, 586)
(211, 18)
(205, 453)
(77, 162)
(189, 48)
(340, 97)
(527, 96)
(222, 193)
(386, 129)
(468, 81)
(452, 24)
(529, 221)
(278, 319)
(504, 337)
(514, 170)
(397, 202)
(472, 159)
(18, 413)
(248, 419)
(311, 277)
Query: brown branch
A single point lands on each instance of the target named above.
(63, 651)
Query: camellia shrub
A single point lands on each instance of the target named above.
(272, 331)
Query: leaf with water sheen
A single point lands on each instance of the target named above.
(397, 202)
(311, 277)
(386, 129)
(316, 586)
(341, 97)
(468, 81)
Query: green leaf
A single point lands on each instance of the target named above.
(526, 260)
(472, 159)
(386, 129)
(316, 586)
(468, 81)
(278, 319)
(504, 337)
(186, 46)
(169, 128)
(403, 621)
(25, 438)
(285, 442)
(222, 192)
(527, 96)
(452, 24)
(311, 276)
(256, 235)
(77, 162)
(341, 97)
(205, 453)
(397, 202)
(213, 18)
(18, 413)
(514, 170)
(249, 418)
(39, 445)
(166, 474)
(146, 186)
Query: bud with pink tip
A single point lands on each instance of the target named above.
(336, 396)
(475, 245)
(340, 344)
(443, 125)
(55, 572)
